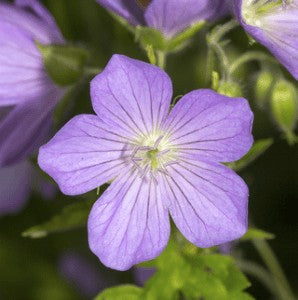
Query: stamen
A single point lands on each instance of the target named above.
(156, 144)
(159, 154)
(170, 163)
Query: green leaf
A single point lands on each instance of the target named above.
(258, 148)
(122, 292)
(63, 63)
(253, 233)
(195, 274)
(71, 217)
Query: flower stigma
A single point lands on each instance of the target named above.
(152, 155)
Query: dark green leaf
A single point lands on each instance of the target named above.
(71, 217)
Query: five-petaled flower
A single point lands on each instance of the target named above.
(160, 162)
(274, 23)
(168, 16)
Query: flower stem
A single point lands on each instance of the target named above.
(275, 269)
(221, 30)
(253, 269)
(161, 59)
(249, 56)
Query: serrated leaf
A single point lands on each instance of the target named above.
(258, 148)
(194, 274)
(71, 217)
(122, 292)
(253, 233)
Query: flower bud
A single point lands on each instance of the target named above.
(284, 105)
(263, 87)
(230, 89)
(64, 64)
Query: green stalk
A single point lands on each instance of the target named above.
(269, 258)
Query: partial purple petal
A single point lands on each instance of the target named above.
(22, 129)
(208, 202)
(14, 187)
(83, 155)
(210, 125)
(277, 31)
(128, 224)
(33, 18)
(129, 10)
(133, 95)
(172, 16)
(22, 74)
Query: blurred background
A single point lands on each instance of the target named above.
(48, 268)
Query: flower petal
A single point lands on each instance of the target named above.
(14, 187)
(210, 125)
(23, 128)
(33, 19)
(128, 10)
(83, 155)
(134, 95)
(208, 202)
(172, 16)
(22, 74)
(277, 31)
(128, 224)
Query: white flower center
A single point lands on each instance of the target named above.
(153, 154)
(254, 10)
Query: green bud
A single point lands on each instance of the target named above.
(263, 87)
(230, 89)
(64, 64)
(284, 105)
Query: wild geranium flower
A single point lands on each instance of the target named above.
(160, 163)
(27, 94)
(275, 25)
(168, 16)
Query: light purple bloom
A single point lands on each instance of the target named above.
(168, 16)
(27, 94)
(273, 24)
(160, 162)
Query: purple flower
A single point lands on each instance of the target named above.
(168, 16)
(16, 182)
(14, 187)
(275, 25)
(27, 94)
(160, 162)
(82, 274)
